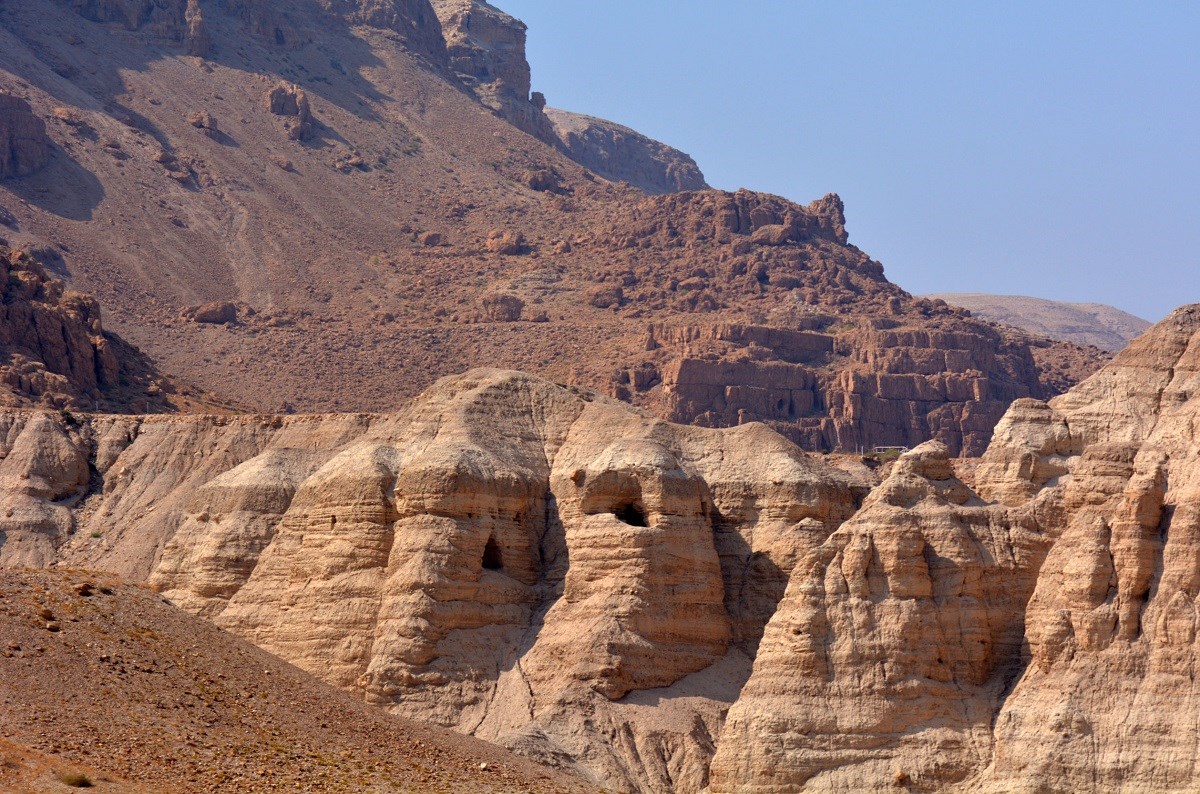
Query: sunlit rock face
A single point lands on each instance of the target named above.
(661, 607)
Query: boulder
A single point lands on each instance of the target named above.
(291, 101)
(214, 313)
(503, 307)
(605, 297)
(509, 243)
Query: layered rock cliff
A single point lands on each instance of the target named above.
(665, 608)
(1040, 641)
(532, 564)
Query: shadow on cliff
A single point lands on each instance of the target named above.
(323, 56)
(64, 188)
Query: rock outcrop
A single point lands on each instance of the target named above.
(846, 386)
(616, 152)
(487, 51)
(291, 102)
(55, 349)
(525, 562)
(889, 656)
(1104, 700)
(24, 145)
(899, 660)
(661, 607)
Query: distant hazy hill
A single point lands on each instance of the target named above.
(1104, 326)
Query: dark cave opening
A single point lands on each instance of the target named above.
(631, 514)
(493, 560)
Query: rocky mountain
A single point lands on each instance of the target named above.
(107, 687)
(316, 213)
(1097, 324)
(486, 49)
(664, 608)
(618, 153)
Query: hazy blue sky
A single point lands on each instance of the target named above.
(1048, 149)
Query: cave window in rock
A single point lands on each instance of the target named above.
(631, 514)
(493, 560)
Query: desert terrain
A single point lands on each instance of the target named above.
(371, 424)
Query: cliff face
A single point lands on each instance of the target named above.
(528, 563)
(24, 145)
(1105, 698)
(487, 51)
(662, 607)
(899, 661)
(616, 152)
(55, 350)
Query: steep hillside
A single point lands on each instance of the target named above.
(363, 224)
(1106, 327)
(108, 681)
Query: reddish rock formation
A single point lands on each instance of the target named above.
(486, 49)
(24, 146)
(291, 101)
(328, 239)
(55, 351)
(53, 338)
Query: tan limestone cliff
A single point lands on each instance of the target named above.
(1039, 641)
(670, 608)
(531, 564)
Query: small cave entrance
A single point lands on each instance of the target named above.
(493, 560)
(631, 514)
